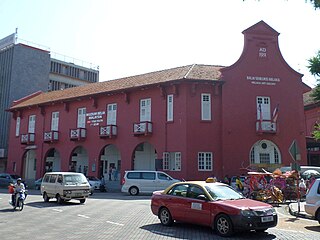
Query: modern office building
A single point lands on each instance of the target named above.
(192, 121)
(26, 68)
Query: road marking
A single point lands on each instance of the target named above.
(114, 223)
(57, 210)
(84, 216)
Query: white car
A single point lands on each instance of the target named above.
(94, 182)
(312, 206)
(140, 181)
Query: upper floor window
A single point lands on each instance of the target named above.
(54, 121)
(18, 120)
(81, 118)
(145, 110)
(170, 107)
(112, 114)
(32, 124)
(205, 106)
(205, 161)
(263, 108)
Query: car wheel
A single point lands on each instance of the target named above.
(59, 199)
(82, 200)
(45, 197)
(165, 217)
(223, 226)
(133, 191)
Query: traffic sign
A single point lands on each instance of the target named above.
(294, 151)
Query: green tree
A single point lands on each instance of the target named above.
(314, 68)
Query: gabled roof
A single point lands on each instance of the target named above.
(189, 72)
(261, 28)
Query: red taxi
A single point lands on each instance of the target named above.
(212, 204)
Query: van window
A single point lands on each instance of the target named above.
(46, 178)
(163, 176)
(133, 175)
(75, 179)
(149, 175)
(53, 178)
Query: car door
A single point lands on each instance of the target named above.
(163, 181)
(148, 182)
(198, 210)
(176, 201)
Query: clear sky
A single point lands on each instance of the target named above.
(130, 37)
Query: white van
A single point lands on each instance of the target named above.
(65, 186)
(136, 181)
(313, 200)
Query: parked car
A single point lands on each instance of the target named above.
(212, 204)
(94, 181)
(37, 184)
(6, 179)
(135, 181)
(312, 206)
(65, 186)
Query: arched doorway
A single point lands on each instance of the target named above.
(110, 163)
(79, 160)
(144, 157)
(265, 153)
(30, 166)
(52, 161)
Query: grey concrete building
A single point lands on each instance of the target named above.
(27, 68)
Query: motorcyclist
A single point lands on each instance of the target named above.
(18, 187)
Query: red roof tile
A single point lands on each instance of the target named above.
(191, 72)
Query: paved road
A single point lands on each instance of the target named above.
(117, 216)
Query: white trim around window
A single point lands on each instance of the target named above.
(81, 123)
(32, 124)
(205, 160)
(170, 107)
(55, 121)
(171, 161)
(206, 106)
(18, 120)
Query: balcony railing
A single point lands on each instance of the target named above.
(27, 138)
(52, 136)
(142, 128)
(266, 126)
(78, 134)
(108, 131)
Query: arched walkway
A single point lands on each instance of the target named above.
(79, 160)
(110, 163)
(30, 166)
(144, 157)
(52, 161)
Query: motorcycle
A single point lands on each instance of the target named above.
(18, 200)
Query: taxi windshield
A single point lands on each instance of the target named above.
(222, 192)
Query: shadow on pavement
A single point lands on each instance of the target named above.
(189, 231)
(52, 203)
(313, 228)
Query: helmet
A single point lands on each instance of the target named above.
(19, 179)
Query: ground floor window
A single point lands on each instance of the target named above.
(205, 161)
(172, 161)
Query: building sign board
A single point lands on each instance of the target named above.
(263, 80)
(95, 118)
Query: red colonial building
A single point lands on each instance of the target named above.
(193, 121)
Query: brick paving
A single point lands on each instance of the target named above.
(109, 216)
